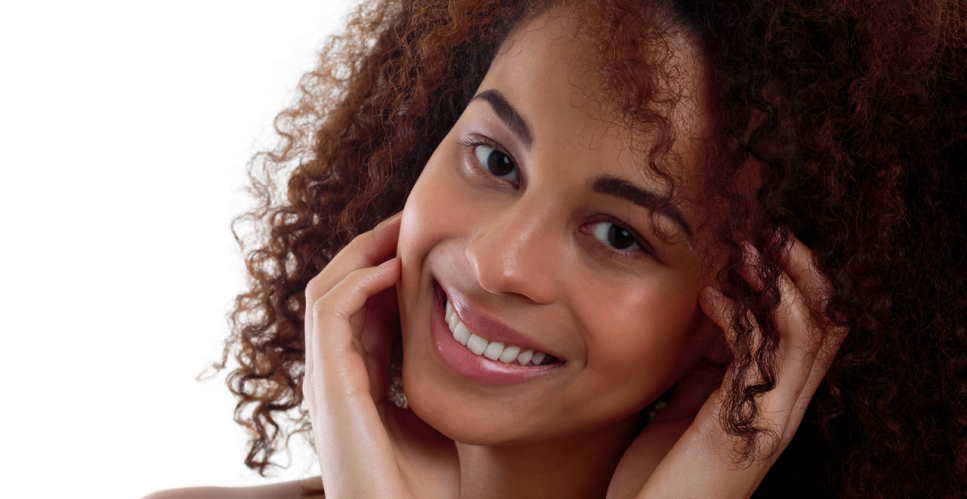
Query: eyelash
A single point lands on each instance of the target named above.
(472, 141)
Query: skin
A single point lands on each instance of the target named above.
(523, 250)
(531, 248)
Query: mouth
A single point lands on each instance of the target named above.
(476, 357)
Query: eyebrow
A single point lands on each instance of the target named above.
(618, 187)
(605, 184)
(507, 114)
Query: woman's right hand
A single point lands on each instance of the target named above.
(367, 447)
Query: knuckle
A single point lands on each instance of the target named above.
(333, 303)
(321, 308)
(362, 239)
(311, 290)
(362, 245)
(314, 288)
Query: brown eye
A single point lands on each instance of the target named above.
(615, 236)
(496, 161)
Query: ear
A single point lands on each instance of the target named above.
(716, 348)
(718, 351)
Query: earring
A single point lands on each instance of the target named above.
(649, 412)
(396, 395)
(652, 410)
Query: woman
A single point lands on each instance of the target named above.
(710, 251)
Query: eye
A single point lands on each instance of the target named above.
(624, 241)
(489, 157)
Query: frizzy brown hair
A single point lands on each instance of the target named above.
(854, 115)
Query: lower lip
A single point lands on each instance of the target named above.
(476, 367)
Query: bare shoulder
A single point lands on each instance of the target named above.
(281, 490)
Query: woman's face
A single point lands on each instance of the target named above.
(516, 218)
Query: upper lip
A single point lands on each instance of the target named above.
(482, 324)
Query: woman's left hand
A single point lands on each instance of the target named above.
(701, 462)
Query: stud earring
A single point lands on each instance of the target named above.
(396, 395)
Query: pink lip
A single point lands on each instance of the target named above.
(488, 327)
(477, 367)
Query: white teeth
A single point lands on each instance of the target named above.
(538, 357)
(476, 344)
(492, 350)
(459, 331)
(451, 318)
(509, 354)
(461, 334)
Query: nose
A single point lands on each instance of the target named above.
(516, 252)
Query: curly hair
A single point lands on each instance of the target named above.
(853, 112)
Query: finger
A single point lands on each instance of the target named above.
(794, 316)
(365, 250)
(830, 343)
(343, 302)
(751, 268)
(381, 326)
(719, 309)
(793, 359)
(800, 264)
(799, 334)
(816, 289)
(799, 340)
(832, 340)
(804, 351)
(335, 353)
(350, 435)
(353, 443)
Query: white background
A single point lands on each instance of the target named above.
(125, 129)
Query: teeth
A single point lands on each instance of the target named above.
(476, 344)
(492, 350)
(461, 334)
(509, 354)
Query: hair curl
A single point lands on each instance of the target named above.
(855, 114)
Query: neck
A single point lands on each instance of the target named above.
(578, 466)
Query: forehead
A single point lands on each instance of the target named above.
(550, 70)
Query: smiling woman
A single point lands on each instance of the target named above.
(522, 217)
(628, 249)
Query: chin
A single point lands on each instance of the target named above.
(455, 417)
(447, 413)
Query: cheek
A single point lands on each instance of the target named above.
(639, 335)
(435, 209)
(433, 217)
